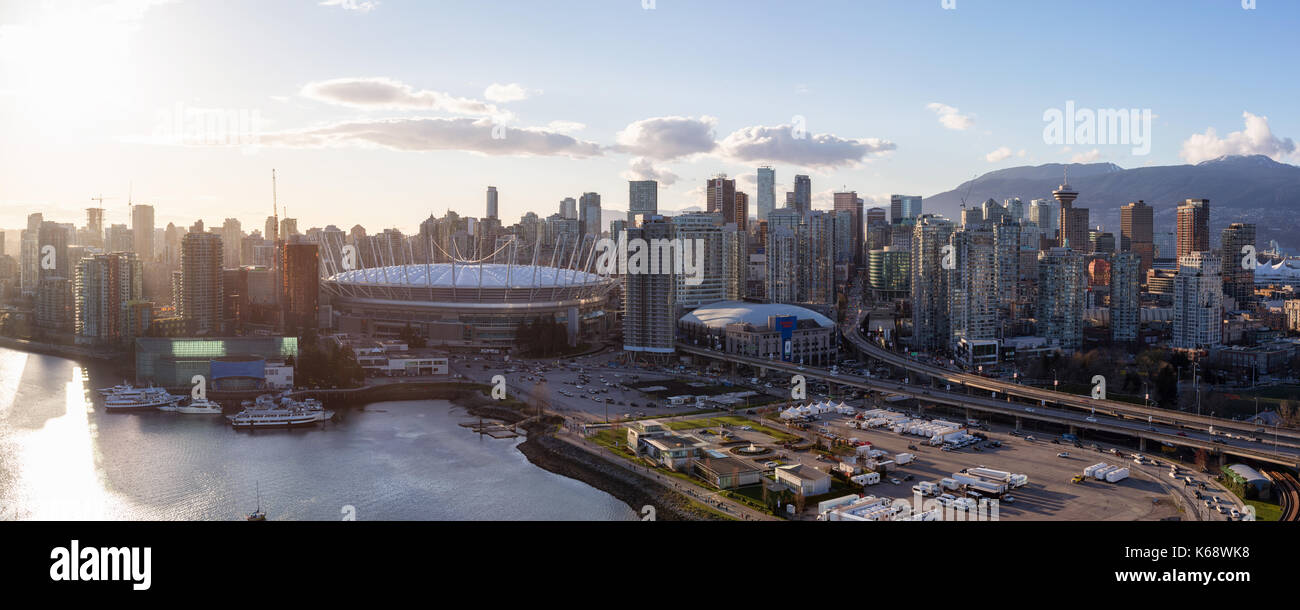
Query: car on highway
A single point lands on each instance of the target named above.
(1063, 454)
(1090, 419)
(1029, 409)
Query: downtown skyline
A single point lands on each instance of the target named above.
(386, 137)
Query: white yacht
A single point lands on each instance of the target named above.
(138, 399)
(197, 406)
(270, 411)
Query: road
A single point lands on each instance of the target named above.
(1155, 430)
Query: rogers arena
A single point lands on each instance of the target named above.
(481, 309)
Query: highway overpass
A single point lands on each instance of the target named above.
(1166, 432)
(853, 333)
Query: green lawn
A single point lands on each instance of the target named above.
(1265, 511)
(733, 420)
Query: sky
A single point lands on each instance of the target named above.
(383, 112)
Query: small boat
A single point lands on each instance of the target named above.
(259, 514)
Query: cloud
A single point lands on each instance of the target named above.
(950, 118)
(387, 94)
(1256, 139)
(667, 138)
(780, 144)
(427, 134)
(512, 92)
(360, 6)
(1001, 154)
(642, 168)
(1086, 157)
(565, 126)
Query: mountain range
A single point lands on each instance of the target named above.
(1252, 189)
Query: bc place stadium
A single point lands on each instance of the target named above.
(468, 304)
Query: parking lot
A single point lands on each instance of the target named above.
(1050, 493)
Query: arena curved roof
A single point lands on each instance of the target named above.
(440, 275)
(719, 315)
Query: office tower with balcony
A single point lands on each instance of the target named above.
(201, 282)
(973, 298)
(299, 285)
(1062, 282)
(1193, 227)
(716, 285)
(1125, 290)
(931, 328)
(720, 196)
(820, 258)
(104, 288)
(1006, 266)
(782, 252)
(1238, 273)
(1198, 302)
(649, 320)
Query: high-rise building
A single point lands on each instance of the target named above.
(142, 228)
(1074, 221)
(649, 320)
(766, 191)
(785, 249)
(29, 254)
(720, 196)
(1125, 289)
(876, 215)
(271, 229)
(201, 282)
(1136, 233)
(1043, 213)
(642, 200)
(232, 236)
(299, 285)
(288, 228)
(1006, 261)
(741, 219)
(1198, 301)
(889, 273)
(1238, 273)
(589, 214)
(851, 202)
(1062, 282)
(802, 194)
(492, 202)
(105, 287)
(716, 285)
(94, 227)
(1193, 227)
(819, 257)
(973, 286)
(902, 207)
(930, 324)
(569, 208)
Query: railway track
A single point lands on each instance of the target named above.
(1289, 490)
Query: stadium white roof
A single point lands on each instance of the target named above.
(720, 314)
(467, 276)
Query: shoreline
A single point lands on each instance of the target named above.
(541, 448)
